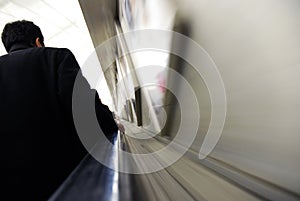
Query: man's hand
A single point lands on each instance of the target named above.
(121, 128)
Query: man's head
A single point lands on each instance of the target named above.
(24, 32)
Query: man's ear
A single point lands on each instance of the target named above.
(38, 42)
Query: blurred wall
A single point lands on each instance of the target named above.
(256, 47)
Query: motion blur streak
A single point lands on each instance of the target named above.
(255, 45)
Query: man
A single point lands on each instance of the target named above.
(39, 144)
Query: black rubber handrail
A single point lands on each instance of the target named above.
(94, 181)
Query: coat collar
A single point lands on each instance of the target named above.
(18, 46)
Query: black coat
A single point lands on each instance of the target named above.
(39, 145)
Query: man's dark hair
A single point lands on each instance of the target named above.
(23, 31)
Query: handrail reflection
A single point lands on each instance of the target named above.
(91, 180)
